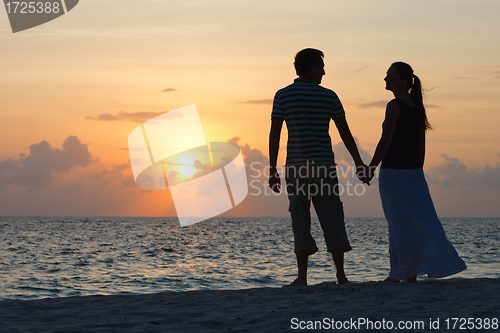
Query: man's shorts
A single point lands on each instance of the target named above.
(318, 183)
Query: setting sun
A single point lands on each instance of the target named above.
(187, 168)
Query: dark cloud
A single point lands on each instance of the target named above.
(138, 117)
(260, 101)
(37, 168)
(169, 90)
(377, 104)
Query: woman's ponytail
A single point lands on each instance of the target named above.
(418, 98)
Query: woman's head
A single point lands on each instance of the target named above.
(405, 73)
(405, 79)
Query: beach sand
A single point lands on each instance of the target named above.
(261, 309)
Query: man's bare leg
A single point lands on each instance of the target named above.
(338, 260)
(302, 261)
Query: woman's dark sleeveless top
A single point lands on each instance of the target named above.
(407, 148)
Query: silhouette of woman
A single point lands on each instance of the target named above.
(417, 241)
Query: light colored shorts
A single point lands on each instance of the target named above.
(319, 184)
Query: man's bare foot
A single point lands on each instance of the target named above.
(296, 283)
(342, 280)
(388, 279)
(412, 279)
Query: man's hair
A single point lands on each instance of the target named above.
(306, 59)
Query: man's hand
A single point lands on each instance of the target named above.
(364, 173)
(274, 180)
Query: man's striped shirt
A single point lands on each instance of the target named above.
(307, 109)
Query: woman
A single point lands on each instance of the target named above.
(417, 242)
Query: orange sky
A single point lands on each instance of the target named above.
(117, 57)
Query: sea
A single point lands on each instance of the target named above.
(43, 257)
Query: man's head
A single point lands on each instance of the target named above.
(309, 64)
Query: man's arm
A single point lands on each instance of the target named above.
(274, 146)
(346, 136)
(350, 144)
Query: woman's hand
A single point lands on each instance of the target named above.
(363, 173)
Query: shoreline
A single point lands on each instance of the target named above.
(259, 309)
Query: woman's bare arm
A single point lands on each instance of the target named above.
(391, 115)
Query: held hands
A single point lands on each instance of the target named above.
(365, 173)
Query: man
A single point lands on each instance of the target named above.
(307, 108)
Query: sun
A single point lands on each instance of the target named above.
(187, 168)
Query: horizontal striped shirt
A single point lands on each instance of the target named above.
(307, 109)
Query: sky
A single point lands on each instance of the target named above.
(73, 89)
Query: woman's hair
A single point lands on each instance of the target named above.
(415, 86)
(306, 59)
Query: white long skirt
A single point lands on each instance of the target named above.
(417, 241)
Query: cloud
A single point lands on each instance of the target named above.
(108, 191)
(361, 69)
(169, 90)
(377, 104)
(105, 117)
(37, 168)
(260, 201)
(118, 176)
(452, 173)
(138, 117)
(343, 157)
(260, 101)
(458, 190)
(463, 78)
(383, 104)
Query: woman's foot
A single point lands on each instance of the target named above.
(388, 279)
(296, 283)
(412, 279)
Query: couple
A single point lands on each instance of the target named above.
(417, 242)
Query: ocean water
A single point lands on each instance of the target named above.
(60, 257)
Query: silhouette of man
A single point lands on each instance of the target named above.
(310, 170)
